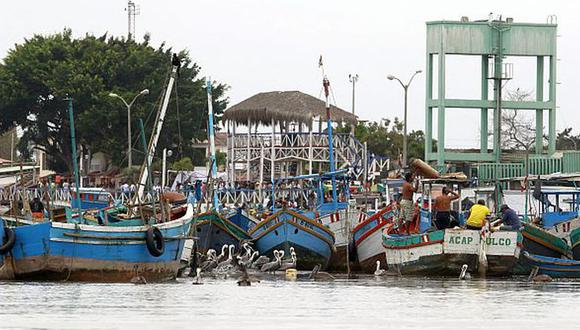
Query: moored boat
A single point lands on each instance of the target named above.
(68, 251)
(541, 242)
(554, 267)
(367, 237)
(312, 242)
(575, 242)
(444, 252)
(213, 231)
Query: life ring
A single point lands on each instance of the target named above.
(9, 240)
(155, 242)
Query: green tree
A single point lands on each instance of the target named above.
(37, 76)
(184, 164)
(386, 139)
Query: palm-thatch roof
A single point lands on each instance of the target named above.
(290, 106)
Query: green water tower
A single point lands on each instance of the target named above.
(491, 40)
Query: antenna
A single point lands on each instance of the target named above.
(132, 11)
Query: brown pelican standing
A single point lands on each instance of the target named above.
(273, 265)
(379, 271)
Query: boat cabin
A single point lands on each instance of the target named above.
(558, 205)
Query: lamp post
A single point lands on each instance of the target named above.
(166, 153)
(353, 78)
(128, 105)
(405, 88)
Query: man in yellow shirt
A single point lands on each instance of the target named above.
(478, 215)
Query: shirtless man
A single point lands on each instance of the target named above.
(407, 206)
(443, 208)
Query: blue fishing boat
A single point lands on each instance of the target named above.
(214, 231)
(68, 251)
(554, 267)
(312, 242)
(575, 242)
(91, 199)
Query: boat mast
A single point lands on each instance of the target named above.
(156, 132)
(211, 139)
(74, 152)
(326, 86)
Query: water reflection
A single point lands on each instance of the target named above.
(366, 302)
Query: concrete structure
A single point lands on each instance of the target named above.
(491, 40)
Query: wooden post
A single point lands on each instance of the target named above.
(272, 159)
(310, 150)
(248, 156)
(261, 182)
(233, 153)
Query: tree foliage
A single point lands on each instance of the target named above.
(184, 164)
(565, 140)
(37, 76)
(386, 139)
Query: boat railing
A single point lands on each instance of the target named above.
(226, 196)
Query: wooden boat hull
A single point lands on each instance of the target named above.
(575, 242)
(540, 242)
(444, 252)
(554, 267)
(368, 236)
(312, 242)
(68, 251)
(214, 231)
(564, 229)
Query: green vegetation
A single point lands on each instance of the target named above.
(36, 77)
(386, 139)
(184, 164)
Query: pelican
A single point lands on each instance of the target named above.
(228, 261)
(273, 265)
(289, 264)
(465, 275)
(379, 271)
(222, 256)
(246, 260)
(197, 280)
(281, 254)
(211, 261)
(261, 261)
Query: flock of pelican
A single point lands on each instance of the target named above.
(230, 263)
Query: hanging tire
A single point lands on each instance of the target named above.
(8, 241)
(155, 242)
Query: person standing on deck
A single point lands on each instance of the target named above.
(407, 206)
(443, 208)
(478, 215)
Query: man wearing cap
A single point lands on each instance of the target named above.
(509, 219)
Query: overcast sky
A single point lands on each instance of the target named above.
(256, 46)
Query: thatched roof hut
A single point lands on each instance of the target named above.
(285, 107)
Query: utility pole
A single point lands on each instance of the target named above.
(132, 11)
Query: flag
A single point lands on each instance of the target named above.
(320, 61)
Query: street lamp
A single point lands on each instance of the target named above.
(166, 153)
(128, 105)
(405, 88)
(353, 78)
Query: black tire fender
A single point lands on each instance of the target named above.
(155, 241)
(8, 241)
